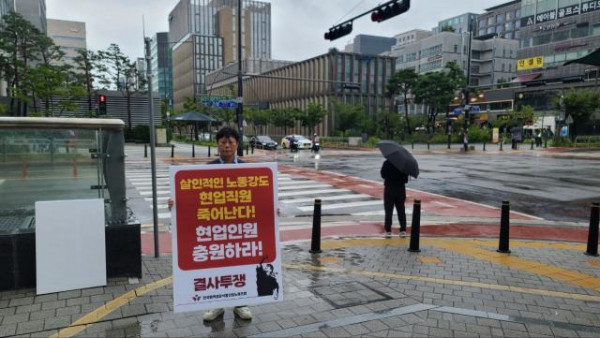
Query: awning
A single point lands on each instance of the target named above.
(526, 78)
(592, 59)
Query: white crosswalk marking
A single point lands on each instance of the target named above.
(344, 205)
(295, 193)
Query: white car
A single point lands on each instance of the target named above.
(301, 141)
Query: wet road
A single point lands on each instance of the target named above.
(555, 189)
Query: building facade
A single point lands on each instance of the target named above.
(205, 38)
(321, 80)
(33, 11)
(370, 44)
(162, 77)
(503, 21)
(553, 32)
(69, 36)
(460, 23)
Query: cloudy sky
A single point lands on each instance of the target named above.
(297, 25)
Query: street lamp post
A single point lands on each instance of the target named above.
(240, 99)
(466, 91)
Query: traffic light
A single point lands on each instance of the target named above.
(390, 9)
(339, 31)
(102, 104)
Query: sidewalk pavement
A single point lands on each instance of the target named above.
(362, 284)
(358, 286)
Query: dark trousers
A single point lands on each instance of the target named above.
(394, 196)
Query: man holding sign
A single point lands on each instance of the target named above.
(224, 225)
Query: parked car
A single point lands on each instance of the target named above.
(301, 141)
(263, 142)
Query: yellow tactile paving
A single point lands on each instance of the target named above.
(479, 249)
(94, 316)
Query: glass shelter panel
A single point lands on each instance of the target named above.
(54, 161)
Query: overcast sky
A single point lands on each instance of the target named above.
(297, 25)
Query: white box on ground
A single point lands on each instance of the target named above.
(70, 245)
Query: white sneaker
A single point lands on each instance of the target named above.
(211, 315)
(402, 234)
(243, 312)
(388, 235)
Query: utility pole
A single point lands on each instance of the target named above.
(240, 98)
(467, 106)
(152, 145)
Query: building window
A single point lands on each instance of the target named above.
(561, 36)
(500, 18)
(482, 23)
(491, 21)
(481, 32)
(491, 30)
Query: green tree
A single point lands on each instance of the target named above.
(17, 48)
(259, 118)
(348, 116)
(437, 89)
(313, 115)
(448, 29)
(285, 118)
(87, 65)
(121, 73)
(580, 104)
(402, 82)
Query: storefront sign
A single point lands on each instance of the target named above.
(527, 21)
(551, 26)
(226, 249)
(590, 6)
(530, 63)
(564, 12)
(545, 16)
(495, 135)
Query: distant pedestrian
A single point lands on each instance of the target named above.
(394, 194)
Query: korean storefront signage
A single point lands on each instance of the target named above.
(563, 12)
(225, 235)
(530, 63)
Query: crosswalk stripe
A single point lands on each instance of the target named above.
(311, 192)
(159, 199)
(343, 205)
(164, 215)
(308, 186)
(158, 192)
(326, 198)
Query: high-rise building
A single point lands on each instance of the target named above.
(204, 37)
(162, 77)
(33, 11)
(458, 24)
(370, 44)
(69, 36)
(502, 20)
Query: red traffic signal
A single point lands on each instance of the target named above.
(102, 98)
(339, 31)
(390, 9)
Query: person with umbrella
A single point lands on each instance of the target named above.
(399, 164)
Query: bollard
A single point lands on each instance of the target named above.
(247, 149)
(592, 245)
(532, 145)
(209, 150)
(145, 150)
(504, 228)
(501, 145)
(193, 150)
(427, 144)
(449, 141)
(412, 145)
(545, 143)
(172, 150)
(483, 145)
(315, 242)
(75, 172)
(415, 228)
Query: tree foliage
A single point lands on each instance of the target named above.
(580, 104)
(313, 116)
(403, 82)
(348, 116)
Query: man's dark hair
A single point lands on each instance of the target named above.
(228, 132)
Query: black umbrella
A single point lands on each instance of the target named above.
(399, 157)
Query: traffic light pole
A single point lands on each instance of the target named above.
(467, 106)
(152, 146)
(240, 103)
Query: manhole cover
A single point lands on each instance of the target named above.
(349, 294)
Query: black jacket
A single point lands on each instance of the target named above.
(218, 161)
(392, 176)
